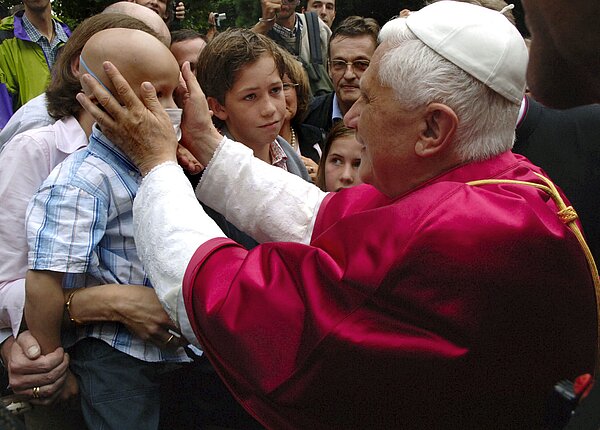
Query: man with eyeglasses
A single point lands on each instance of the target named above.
(325, 9)
(290, 30)
(350, 50)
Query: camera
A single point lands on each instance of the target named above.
(219, 17)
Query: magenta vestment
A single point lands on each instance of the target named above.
(452, 306)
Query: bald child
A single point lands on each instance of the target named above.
(80, 233)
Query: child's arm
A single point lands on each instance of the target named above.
(44, 304)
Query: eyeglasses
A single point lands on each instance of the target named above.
(288, 86)
(341, 65)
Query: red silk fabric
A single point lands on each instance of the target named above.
(452, 306)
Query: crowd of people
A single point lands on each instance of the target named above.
(310, 223)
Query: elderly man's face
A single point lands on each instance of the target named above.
(387, 133)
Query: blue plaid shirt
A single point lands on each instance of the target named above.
(80, 222)
(50, 48)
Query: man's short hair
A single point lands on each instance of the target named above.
(186, 34)
(355, 26)
(64, 85)
(227, 54)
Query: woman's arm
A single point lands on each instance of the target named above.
(135, 306)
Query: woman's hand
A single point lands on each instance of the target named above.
(139, 310)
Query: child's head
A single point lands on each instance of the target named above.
(240, 72)
(139, 57)
(340, 160)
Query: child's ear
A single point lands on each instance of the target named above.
(75, 66)
(218, 109)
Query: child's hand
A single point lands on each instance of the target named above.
(188, 162)
(70, 390)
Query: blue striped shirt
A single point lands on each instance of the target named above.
(80, 222)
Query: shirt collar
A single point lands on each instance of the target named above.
(278, 156)
(35, 35)
(70, 135)
(336, 112)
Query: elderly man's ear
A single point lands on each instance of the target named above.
(440, 125)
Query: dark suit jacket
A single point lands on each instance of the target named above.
(309, 136)
(566, 144)
(319, 112)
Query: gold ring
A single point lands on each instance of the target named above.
(36, 392)
(170, 339)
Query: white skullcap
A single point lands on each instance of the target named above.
(480, 41)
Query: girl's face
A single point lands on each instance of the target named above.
(341, 165)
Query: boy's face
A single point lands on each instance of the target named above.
(254, 108)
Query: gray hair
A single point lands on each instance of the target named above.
(419, 76)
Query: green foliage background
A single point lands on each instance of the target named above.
(240, 13)
(244, 13)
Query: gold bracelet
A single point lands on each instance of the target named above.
(68, 307)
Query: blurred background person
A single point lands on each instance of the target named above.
(186, 45)
(325, 9)
(307, 140)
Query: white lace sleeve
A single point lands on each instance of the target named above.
(264, 201)
(169, 225)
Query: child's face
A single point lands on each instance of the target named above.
(341, 165)
(163, 74)
(254, 108)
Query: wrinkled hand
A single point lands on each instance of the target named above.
(141, 128)
(27, 369)
(199, 134)
(143, 315)
(311, 167)
(180, 11)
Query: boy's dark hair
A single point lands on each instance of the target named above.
(64, 85)
(226, 55)
(355, 26)
(186, 34)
